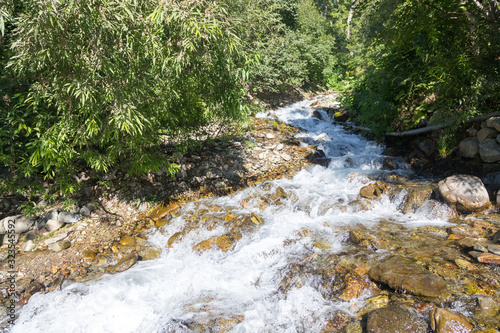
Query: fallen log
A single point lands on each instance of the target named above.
(441, 126)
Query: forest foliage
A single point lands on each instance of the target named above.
(100, 84)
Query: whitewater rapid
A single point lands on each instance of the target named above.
(241, 285)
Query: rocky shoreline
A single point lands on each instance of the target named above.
(421, 278)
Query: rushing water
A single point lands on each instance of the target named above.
(240, 287)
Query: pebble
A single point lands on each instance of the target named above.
(270, 136)
(280, 146)
(59, 246)
(286, 157)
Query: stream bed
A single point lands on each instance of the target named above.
(290, 255)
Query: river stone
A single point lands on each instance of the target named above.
(416, 198)
(403, 274)
(486, 133)
(469, 147)
(124, 263)
(489, 150)
(467, 193)
(444, 321)
(395, 319)
(19, 223)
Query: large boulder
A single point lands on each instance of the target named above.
(486, 133)
(402, 274)
(19, 223)
(395, 318)
(469, 147)
(489, 150)
(466, 193)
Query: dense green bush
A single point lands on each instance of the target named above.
(432, 61)
(106, 79)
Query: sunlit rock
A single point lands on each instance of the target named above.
(466, 193)
(19, 223)
(444, 321)
(403, 274)
(395, 318)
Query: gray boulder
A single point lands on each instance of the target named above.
(464, 192)
(489, 150)
(486, 133)
(19, 223)
(469, 147)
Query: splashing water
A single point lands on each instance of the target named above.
(240, 290)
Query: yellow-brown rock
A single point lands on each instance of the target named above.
(89, 254)
(127, 240)
(444, 321)
(207, 244)
(177, 237)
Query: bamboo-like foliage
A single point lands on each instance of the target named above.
(108, 76)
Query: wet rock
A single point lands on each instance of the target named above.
(467, 231)
(150, 253)
(469, 147)
(489, 258)
(362, 239)
(207, 244)
(444, 321)
(66, 217)
(489, 150)
(176, 237)
(337, 323)
(400, 273)
(124, 264)
(395, 318)
(487, 307)
(59, 246)
(466, 193)
(316, 114)
(416, 198)
(357, 286)
(464, 264)
(53, 225)
(19, 223)
(373, 190)
(226, 242)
